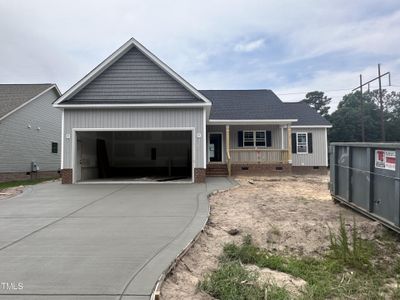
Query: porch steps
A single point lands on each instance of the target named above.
(217, 170)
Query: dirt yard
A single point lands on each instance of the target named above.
(10, 192)
(290, 215)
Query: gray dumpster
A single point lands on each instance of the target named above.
(366, 176)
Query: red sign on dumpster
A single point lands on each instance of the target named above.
(385, 159)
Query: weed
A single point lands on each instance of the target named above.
(275, 230)
(356, 253)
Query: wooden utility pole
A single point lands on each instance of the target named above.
(382, 115)
(383, 135)
(362, 111)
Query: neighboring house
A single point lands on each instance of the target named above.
(133, 116)
(29, 131)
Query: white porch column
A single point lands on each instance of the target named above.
(289, 143)
(228, 148)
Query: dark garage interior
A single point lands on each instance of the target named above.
(134, 156)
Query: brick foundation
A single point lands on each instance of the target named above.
(275, 169)
(66, 176)
(13, 176)
(199, 175)
(309, 170)
(261, 169)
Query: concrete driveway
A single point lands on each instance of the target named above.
(96, 241)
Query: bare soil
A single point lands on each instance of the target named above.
(10, 192)
(290, 214)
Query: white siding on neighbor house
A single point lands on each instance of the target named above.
(21, 145)
(276, 135)
(320, 148)
(146, 118)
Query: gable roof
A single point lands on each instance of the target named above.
(125, 95)
(306, 115)
(258, 105)
(15, 96)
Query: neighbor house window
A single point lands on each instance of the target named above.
(254, 138)
(302, 142)
(54, 147)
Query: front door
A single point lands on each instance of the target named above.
(215, 147)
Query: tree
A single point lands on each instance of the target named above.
(346, 119)
(392, 111)
(319, 102)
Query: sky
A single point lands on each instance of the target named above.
(291, 47)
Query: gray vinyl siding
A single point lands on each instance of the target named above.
(161, 118)
(234, 129)
(133, 78)
(20, 145)
(320, 149)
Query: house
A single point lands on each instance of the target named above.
(29, 131)
(134, 118)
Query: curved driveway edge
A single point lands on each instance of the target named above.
(193, 231)
(103, 242)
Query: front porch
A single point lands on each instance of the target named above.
(248, 147)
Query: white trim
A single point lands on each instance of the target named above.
(327, 147)
(62, 139)
(253, 122)
(138, 105)
(204, 138)
(29, 101)
(134, 182)
(116, 55)
(297, 143)
(282, 137)
(134, 129)
(74, 142)
(312, 126)
(222, 147)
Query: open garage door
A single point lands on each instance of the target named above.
(133, 156)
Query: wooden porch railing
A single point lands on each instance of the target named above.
(259, 156)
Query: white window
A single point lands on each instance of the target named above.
(261, 138)
(302, 142)
(254, 138)
(248, 139)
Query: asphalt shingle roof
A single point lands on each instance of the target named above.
(305, 114)
(259, 105)
(14, 95)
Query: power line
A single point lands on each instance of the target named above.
(329, 91)
(360, 87)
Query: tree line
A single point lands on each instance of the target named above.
(346, 119)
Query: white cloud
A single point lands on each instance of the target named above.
(249, 46)
(60, 41)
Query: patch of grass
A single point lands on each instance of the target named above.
(10, 184)
(232, 282)
(351, 269)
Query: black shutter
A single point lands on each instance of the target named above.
(309, 138)
(294, 143)
(269, 139)
(240, 138)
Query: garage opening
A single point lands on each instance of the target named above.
(133, 156)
